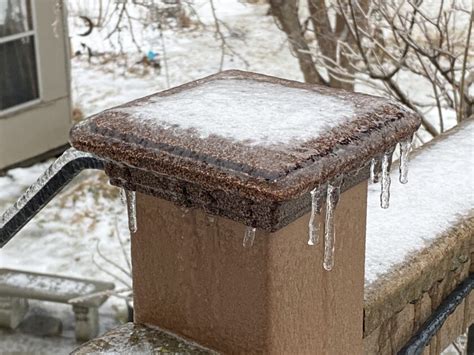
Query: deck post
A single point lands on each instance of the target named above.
(243, 154)
(193, 277)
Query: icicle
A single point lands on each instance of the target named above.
(375, 169)
(131, 210)
(249, 237)
(373, 162)
(405, 148)
(385, 183)
(123, 197)
(334, 189)
(314, 224)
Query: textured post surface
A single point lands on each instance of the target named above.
(193, 277)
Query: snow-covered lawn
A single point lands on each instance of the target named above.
(63, 239)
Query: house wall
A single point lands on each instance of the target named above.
(44, 126)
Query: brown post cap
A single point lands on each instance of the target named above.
(243, 145)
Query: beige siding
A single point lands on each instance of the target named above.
(45, 126)
(34, 131)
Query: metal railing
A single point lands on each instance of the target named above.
(434, 323)
(48, 185)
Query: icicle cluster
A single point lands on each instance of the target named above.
(380, 170)
(333, 192)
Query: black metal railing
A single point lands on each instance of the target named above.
(49, 184)
(434, 323)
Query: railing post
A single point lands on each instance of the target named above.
(192, 276)
(230, 171)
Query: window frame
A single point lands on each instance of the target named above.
(17, 36)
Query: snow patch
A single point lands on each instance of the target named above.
(42, 283)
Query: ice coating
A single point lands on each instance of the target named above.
(386, 180)
(131, 199)
(314, 226)
(249, 237)
(332, 199)
(68, 156)
(247, 111)
(156, 145)
(439, 193)
(405, 147)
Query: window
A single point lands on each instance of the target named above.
(18, 66)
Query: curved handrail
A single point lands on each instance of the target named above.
(48, 185)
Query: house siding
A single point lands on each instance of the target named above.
(42, 127)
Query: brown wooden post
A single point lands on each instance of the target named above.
(193, 277)
(202, 182)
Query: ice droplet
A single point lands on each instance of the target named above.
(131, 210)
(333, 192)
(405, 147)
(386, 181)
(314, 224)
(249, 237)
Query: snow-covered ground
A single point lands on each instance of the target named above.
(191, 54)
(64, 237)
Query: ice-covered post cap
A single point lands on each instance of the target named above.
(245, 146)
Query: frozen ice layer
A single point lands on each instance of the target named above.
(50, 183)
(242, 145)
(250, 112)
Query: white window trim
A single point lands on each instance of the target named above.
(20, 107)
(17, 36)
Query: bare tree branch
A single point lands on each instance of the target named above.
(286, 14)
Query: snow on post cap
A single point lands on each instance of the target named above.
(243, 139)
